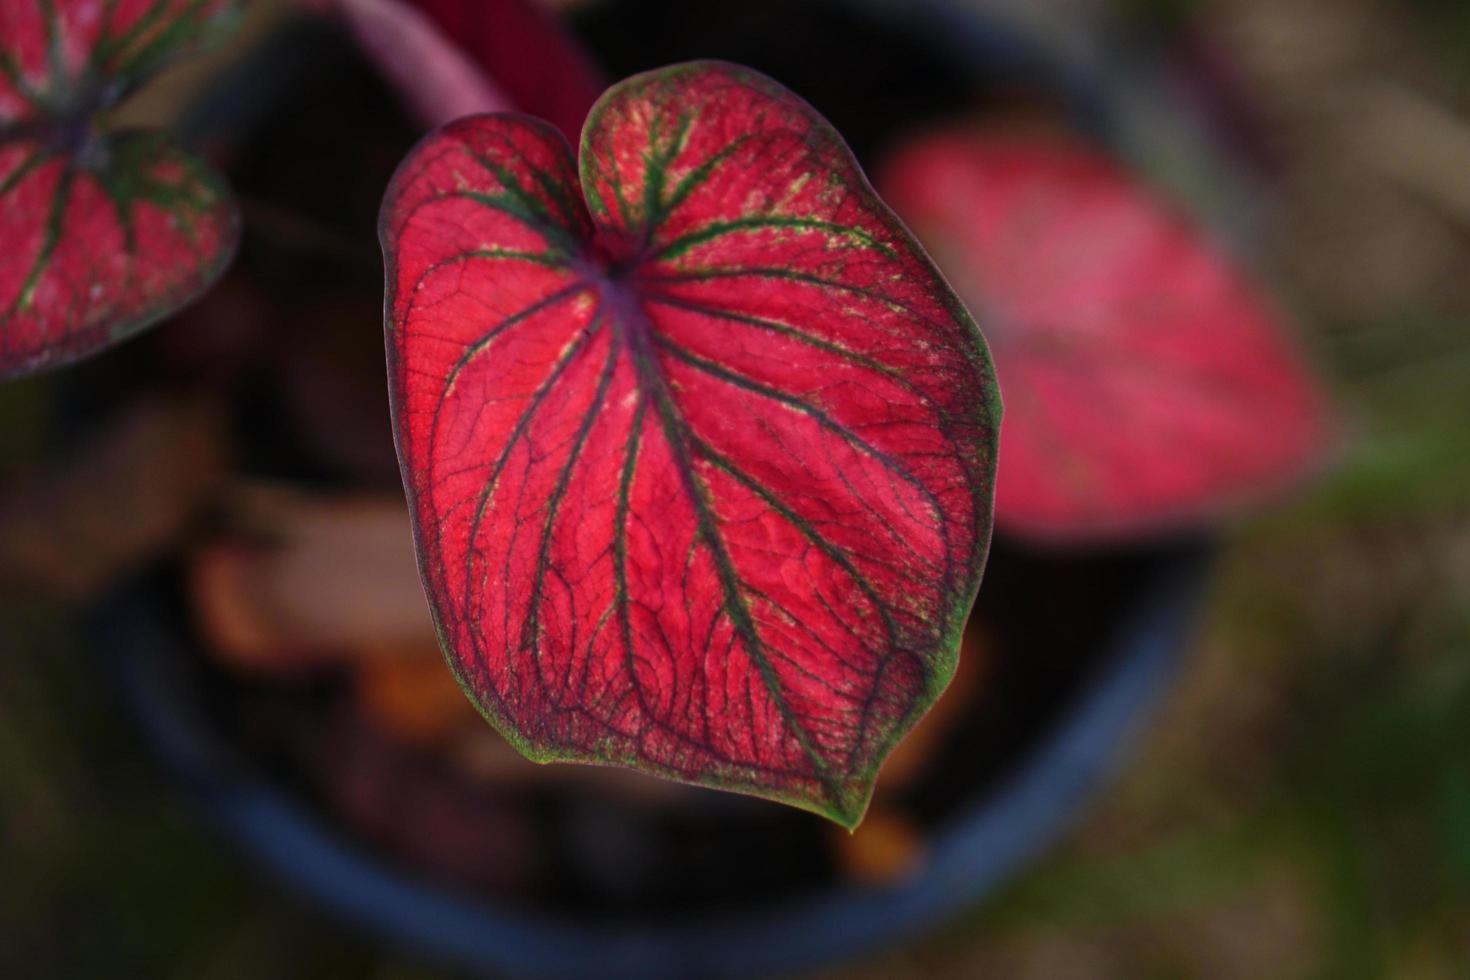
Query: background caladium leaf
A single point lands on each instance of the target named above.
(698, 444)
(1148, 385)
(103, 234)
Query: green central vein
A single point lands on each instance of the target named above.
(893, 466)
(817, 343)
(639, 332)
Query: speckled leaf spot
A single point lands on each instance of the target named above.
(104, 233)
(1149, 385)
(698, 444)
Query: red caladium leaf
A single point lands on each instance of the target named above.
(698, 444)
(104, 234)
(1148, 384)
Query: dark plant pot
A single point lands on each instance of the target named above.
(970, 851)
(1088, 640)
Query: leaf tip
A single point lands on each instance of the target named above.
(849, 814)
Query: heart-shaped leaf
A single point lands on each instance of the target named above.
(699, 447)
(1147, 383)
(104, 234)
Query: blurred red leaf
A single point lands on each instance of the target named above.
(699, 446)
(1147, 384)
(104, 234)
